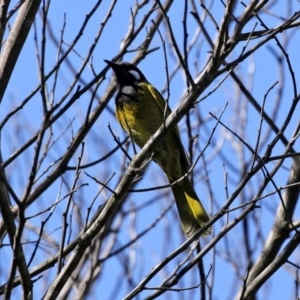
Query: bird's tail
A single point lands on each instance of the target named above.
(191, 211)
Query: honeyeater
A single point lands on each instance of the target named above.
(141, 109)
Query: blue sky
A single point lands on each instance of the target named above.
(260, 71)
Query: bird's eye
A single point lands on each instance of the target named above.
(135, 74)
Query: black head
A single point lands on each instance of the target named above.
(127, 73)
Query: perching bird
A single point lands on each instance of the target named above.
(141, 109)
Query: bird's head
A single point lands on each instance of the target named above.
(127, 73)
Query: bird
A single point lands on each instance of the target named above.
(141, 110)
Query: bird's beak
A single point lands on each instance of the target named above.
(116, 68)
(112, 64)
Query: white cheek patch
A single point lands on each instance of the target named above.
(135, 74)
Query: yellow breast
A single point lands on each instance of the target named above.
(141, 118)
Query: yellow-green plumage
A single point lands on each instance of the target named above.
(140, 111)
